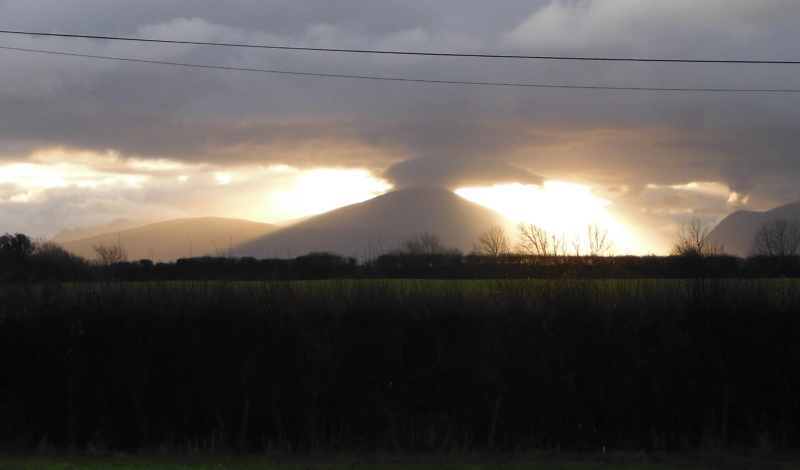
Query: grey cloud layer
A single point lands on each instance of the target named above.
(418, 133)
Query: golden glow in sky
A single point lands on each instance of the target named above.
(559, 208)
(128, 188)
(30, 180)
(322, 190)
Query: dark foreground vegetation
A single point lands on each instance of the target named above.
(402, 365)
(403, 461)
(58, 265)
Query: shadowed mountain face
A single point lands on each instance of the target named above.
(180, 238)
(736, 231)
(381, 224)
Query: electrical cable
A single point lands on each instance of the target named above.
(406, 53)
(395, 79)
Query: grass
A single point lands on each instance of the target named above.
(413, 365)
(534, 461)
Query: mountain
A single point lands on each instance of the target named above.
(179, 238)
(68, 235)
(736, 231)
(380, 224)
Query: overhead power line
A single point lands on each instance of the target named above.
(405, 53)
(395, 79)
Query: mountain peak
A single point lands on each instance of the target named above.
(381, 224)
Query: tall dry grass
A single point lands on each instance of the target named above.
(413, 365)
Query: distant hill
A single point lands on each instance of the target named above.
(68, 235)
(179, 238)
(380, 224)
(736, 231)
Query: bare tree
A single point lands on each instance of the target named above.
(108, 255)
(536, 241)
(599, 242)
(576, 243)
(777, 238)
(694, 241)
(426, 243)
(559, 245)
(492, 242)
(533, 240)
(46, 247)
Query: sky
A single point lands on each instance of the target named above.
(84, 141)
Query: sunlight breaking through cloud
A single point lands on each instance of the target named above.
(560, 208)
(92, 182)
(322, 190)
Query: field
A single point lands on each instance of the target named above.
(535, 461)
(402, 366)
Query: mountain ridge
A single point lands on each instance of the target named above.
(78, 233)
(736, 231)
(380, 224)
(177, 238)
(365, 230)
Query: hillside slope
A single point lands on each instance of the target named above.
(736, 231)
(381, 224)
(118, 225)
(179, 238)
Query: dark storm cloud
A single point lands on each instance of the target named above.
(420, 133)
(456, 173)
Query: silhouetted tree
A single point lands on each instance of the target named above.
(425, 243)
(53, 262)
(108, 255)
(693, 241)
(559, 244)
(536, 241)
(599, 242)
(492, 242)
(533, 240)
(15, 253)
(17, 245)
(48, 249)
(576, 243)
(776, 238)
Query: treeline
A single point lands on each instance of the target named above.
(401, 365)
(23, 260)
(69, 268)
